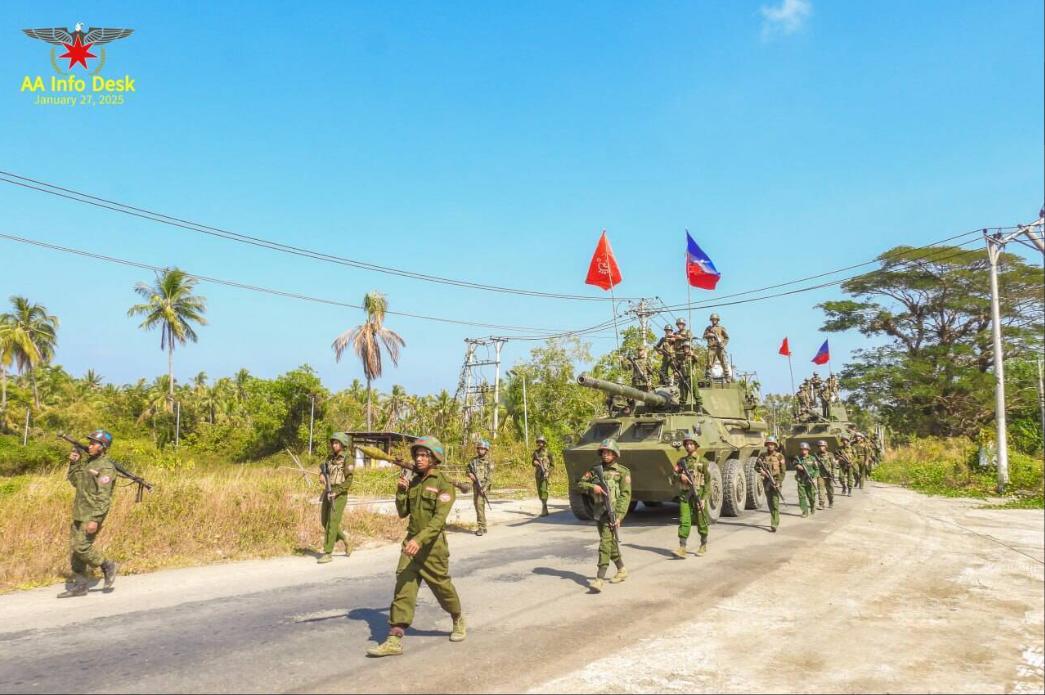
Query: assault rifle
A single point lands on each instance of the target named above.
(375, 453)
(802, 474)
(120, 470)
(768, 479)
(541, 466)
(324, 470)
(611, 513)
(825, 471)
(692, 485)
(473, 471)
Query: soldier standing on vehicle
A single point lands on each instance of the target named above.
(642, 370)
(827, 467)
(803, 398)
(542, 471)
(805, 475)
(717, 339)
(772, 466)
(336, 475)
(845, 464)
(483, 468)
(617, 498)
(426, 499)
(686, 364)
(666, 347)
(93, 477)
(683, 336)
(693, 506)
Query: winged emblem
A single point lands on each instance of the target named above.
(92, 37)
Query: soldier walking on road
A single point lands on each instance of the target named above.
(93, 477)
(693, 506)
(617, 498)
(336, 474)
(805, 475)
(542, 471)
(845, 465)
(426, 499)
(483, 468)
(827, 467)
(862, 452)
(772, 465)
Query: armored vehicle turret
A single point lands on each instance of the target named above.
(649, 427)
(812, 427)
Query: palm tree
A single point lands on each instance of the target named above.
(367, 339)
(92, 379)
(28, 335)
(171, 305)
(6, 359)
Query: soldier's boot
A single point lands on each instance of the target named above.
(805, 514)
(621, 575)
(78, 588)
(544, 509)
(703, 549)
(344, 539)
(109, 570)
(679, 552)
(459, 632)
(392, 646)
(596, 585)
(480, 531)
(324, 559)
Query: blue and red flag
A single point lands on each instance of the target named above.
(700, 271)
(823, 355)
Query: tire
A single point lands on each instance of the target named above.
(734, 489)
(651, 505)
(756, 492)
(581, 507)
(632, 505)
(715, 503)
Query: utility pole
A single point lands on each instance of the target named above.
(1041, 394)
(311, 421)
(526, 414)
(25, 434)
(472, 386)
(177, 423)
(995, 246)
(498, 343)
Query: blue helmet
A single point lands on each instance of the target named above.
(432, 444)
(482, 444)
(102, 437)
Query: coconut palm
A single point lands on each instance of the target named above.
(6, 359)
(28, 335)
(171, 306)
(366, 339)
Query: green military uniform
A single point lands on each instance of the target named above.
(94, 480)
(642, 371)
(827, 469)
(774, 465)
(542, 470)
(861, 456)
(483, 467)
(666, 347)
(807, 484)
(618, 478)
(340, 469)
(690, 509)
(844, 457)
(427, 501)
(717, 339)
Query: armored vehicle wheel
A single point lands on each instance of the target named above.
(734, 489)
(652, 504)
(632, 505)
(715, 503)
(756, 491)
(581, 507)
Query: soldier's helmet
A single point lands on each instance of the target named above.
(680, 322)
(541, 439)
(432, 444)
(609, 445)
(804, 445)
(821, 443)
(341, 437)
(690, 437)
(844, 438)
(482, 444)
(859, 435)
(102, 437)
(772, 440)
(668, 328)
(714, 317)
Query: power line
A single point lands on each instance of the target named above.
(152, 216)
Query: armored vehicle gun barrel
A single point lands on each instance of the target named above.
(651, 399)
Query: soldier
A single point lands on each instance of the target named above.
(542, 470)
(686, 365)
(426, 498)
(803, 398)
(618, 497)
(805, 475)
(666, 347)
(833, 389)
(845, 464)
(483, 467)
(688, 507)
(828, 470)
(683, 336)
(642, 370)
(862, 454)
(816, 392)
(336, 472)
(718, 339)
(93, 478)
(772, 466)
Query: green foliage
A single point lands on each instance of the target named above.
(37, 455)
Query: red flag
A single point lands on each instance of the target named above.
(603, 271)
(785, 349)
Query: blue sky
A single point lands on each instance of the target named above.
(493, 142)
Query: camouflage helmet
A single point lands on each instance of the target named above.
(772, 440)
(821, 443)
(804, 445)
(609, 445)
(341, 437)
(102, 437)
(541, 439)
(690, 437)
(680, 322)
(482, 444)
(432, 444)
(668, 327)
(714, 317)
(858, 435)
(844, 438)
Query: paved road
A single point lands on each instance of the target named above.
(523, 587)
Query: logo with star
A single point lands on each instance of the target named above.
(78, 44)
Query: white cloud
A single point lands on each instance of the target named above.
(785, 18)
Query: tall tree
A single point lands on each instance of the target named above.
(6, 358)
(28, 335)
(929, 310)
(173, 308)
(366, 339)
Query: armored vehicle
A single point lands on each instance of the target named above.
(649, 427)
(812, 427)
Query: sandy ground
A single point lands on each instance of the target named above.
(888, 592)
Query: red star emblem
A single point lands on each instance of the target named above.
(77, 52)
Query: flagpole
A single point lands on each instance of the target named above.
(791, 371)
(613, 308)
